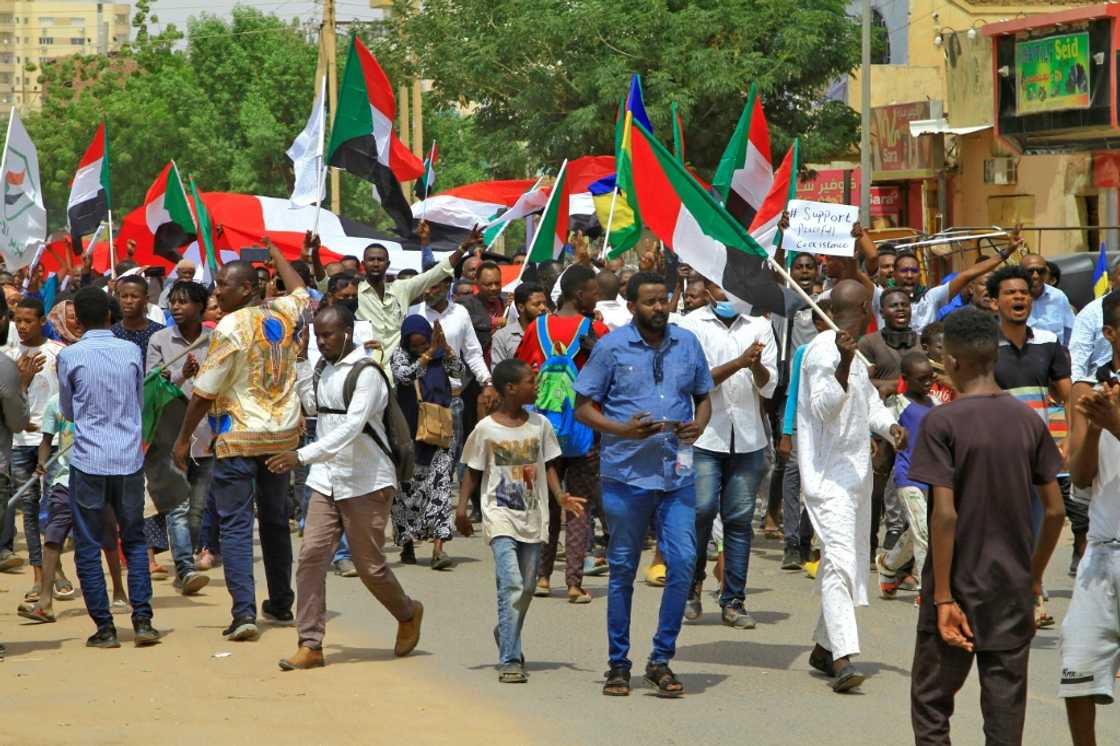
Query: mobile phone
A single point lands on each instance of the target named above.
(255, 254)
(668, 426)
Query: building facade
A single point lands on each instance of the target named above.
(34, 32)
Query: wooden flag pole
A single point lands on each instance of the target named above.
(777, 267)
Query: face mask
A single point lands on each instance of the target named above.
(725, 310)
(350, 303)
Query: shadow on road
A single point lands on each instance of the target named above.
(336, 654)
(743, 653)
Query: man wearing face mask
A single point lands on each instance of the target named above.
(462, 339)
(729, 458)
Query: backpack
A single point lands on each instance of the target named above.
(401, 450)
(556, 395)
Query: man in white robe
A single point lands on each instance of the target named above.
(837, 410)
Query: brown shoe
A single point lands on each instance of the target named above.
(408, 633)
(303, 659)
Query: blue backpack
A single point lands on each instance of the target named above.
(556, 395)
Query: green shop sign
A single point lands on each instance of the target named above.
(1052, 74)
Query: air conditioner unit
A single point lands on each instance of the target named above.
(1001, 171)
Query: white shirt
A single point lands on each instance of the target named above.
(1088, 348)
(922, 314)
(345, 462)
(735, 402)
(461, 338)
(614, 312)
(43, 386)
(1104, 502)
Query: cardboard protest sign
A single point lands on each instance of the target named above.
(821, 228)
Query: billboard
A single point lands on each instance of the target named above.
(1052, 74)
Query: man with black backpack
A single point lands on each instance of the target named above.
(557, 346)
(353, 478)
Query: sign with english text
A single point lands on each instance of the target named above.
(821, 227)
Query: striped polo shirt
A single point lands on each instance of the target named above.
(1027, 372)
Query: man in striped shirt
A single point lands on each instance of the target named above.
(100, 390)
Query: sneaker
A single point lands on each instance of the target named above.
(692, 607)
(281, 617)
(145, 634)
(191, 583)
(408, 554)
(734, 615)
(242, 630)
(104, 637)
(345, 568)
(791, 559)
(9, 560)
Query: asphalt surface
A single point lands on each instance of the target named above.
(742, 685)
(754, 684)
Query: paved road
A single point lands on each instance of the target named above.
(752, 685)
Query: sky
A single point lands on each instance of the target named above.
(178, 11)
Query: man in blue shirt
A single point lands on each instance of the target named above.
(100, 390)
(651, 382)
(1050, 308)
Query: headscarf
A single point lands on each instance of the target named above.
(57, 318)
(435, 386)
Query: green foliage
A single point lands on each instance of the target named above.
(226, 108)
(549, 73)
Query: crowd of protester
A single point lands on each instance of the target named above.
(940, 434)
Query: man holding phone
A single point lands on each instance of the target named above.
(651, 380)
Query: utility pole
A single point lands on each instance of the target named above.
(865, 121)
(329, 51)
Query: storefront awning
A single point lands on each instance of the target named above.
(919, 127)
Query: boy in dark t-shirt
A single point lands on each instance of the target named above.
(980, 454)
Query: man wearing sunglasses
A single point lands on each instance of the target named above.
(1050, 308)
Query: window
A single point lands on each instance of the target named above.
(45, 41)
(46, 20)
(77, 40)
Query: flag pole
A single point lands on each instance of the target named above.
(319, 200)
(812, 303)
(428, 186)
(112, 249)
(610, 221)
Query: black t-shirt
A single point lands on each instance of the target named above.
(990, 450)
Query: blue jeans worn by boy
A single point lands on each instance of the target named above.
(628, 511)
(515, 568)
(24, 461)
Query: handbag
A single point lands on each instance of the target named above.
(434, 424)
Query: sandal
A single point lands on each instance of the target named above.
(512, 676)
(661, 676)
(32, 596)
(35, 614)
(1042, 620)
(120, 607)
(64, 590)
(618, 682)
(577, 595)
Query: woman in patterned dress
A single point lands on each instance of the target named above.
(424, 509)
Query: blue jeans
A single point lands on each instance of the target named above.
(89, 494)
(24, 461)
(199, 472)
(628, 511)
(515, 567)
(179, 534)
(237, 481)
(726, 485)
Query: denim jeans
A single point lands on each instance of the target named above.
(629, 511)
(515, 568)
(7, 514)
(208, 535)
(24, 461)
(726, 484)
(89, 495)
(796, 526)
(237, 481)
(199, 473)
(179, 536)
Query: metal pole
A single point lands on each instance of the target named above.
(328, 39)
(865, 120)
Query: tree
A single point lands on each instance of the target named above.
(550, 73)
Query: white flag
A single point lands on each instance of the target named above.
(307, 154)
(23, 216)
(528, 203)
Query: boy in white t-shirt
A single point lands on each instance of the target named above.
(508, 453)
(35, 357)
